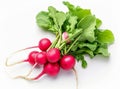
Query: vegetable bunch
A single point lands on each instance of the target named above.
(77, 32)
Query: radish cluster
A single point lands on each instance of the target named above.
(51, 59)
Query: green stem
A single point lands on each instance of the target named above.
(65, 49)
(60, 39)
(73, 44)
(76, 34)
(58, 43)
(62, 45)
(54, 42)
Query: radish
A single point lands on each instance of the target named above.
(65, 36)
(44, 44)
(41, 58)
(30, 59)
(53, 55)
(51, 69)
(67, 62)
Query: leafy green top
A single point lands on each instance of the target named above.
(83, 29)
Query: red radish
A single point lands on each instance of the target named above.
(65, 36)
(53, 55)
(41, 58)
(51, 69)
(67, 62)
(30, 59)
(44, 44)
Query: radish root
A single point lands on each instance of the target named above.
(34, 78)
(25, 77)
(7, 59)
(76, 76)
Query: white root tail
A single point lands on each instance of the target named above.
(26, 76)
(76, 76)
(12, 54)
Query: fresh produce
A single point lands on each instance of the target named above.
(67, 62)
(53, 55)
(31, 57)
(41, 58)
(77, 33)
(44, 44)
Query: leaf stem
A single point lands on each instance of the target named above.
(54, 42)
(60, 38)
(73, 44)
(62, 45)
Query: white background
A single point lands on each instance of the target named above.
(18, 30)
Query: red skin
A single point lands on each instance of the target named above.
(51, 69)
(41, 58)
(65, 36)
(53, 55)
(44, 44)
(67, 62)
(31, 57)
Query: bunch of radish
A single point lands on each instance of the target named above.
(77, 33)
(51, 59)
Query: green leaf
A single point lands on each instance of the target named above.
(52, 13)
(43, 20)
(98, 23)
(77, 11)
(60, 18)
(88, 51)
(81, 13)
(88, 25)
(91, 46)
(80, 57)
(84, 64)
(102, 49)
(72, 21)
(85, 51)
(70, 6)
(57, 16)
(87, 22)
(105, 36)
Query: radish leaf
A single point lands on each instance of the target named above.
(105, 36)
